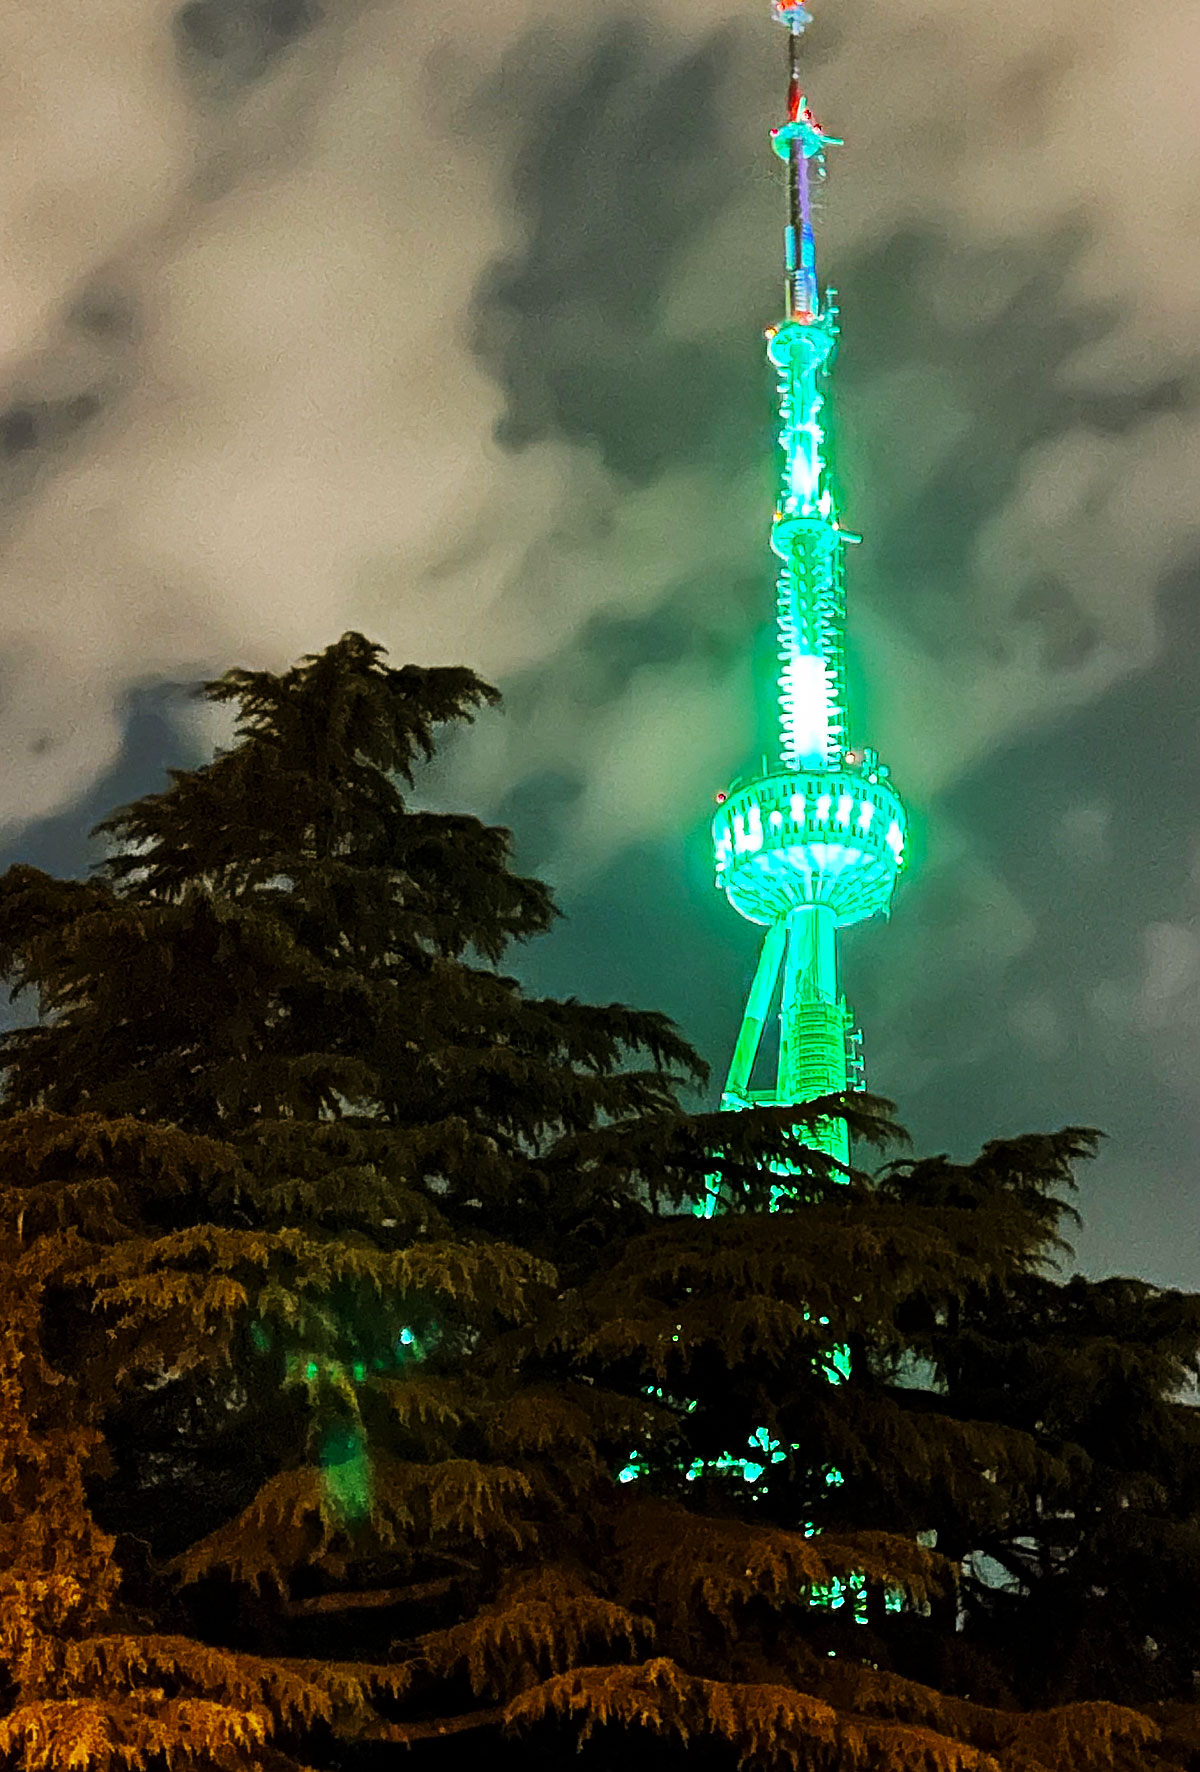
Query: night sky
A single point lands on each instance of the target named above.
(446, 325)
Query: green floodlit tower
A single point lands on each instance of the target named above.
(815, 844)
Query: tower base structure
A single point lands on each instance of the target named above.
(806, 853)
(814, 1023)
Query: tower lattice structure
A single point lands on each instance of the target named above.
(816, 842)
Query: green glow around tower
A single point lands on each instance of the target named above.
(817, 843)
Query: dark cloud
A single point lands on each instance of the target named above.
(225, 45)
(1089, 828)
(620, 172)
(103, 310)
(1068, 635)
(28, 426)
(155, 733)
(73, 375)
(937, 326)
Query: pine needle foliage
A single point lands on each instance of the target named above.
(367, 1383)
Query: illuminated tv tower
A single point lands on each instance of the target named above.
(816, 842)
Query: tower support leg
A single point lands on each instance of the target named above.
(814, 1021)
(736, 1093)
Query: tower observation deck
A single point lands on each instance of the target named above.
(815, 844)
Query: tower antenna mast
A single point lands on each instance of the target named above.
(816, 842)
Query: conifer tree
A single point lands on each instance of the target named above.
(366, 1380)
(1091, 1587)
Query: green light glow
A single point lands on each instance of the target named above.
(347, 1468)
(850, 1593)
(837, 1364)
(817, 844)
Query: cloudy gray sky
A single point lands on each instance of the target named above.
(446, 324)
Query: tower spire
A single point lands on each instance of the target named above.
(816, 843)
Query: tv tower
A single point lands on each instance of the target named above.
(814, 843)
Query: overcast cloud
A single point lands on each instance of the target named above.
(447, 326)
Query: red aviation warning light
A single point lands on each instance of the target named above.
(791, 14)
